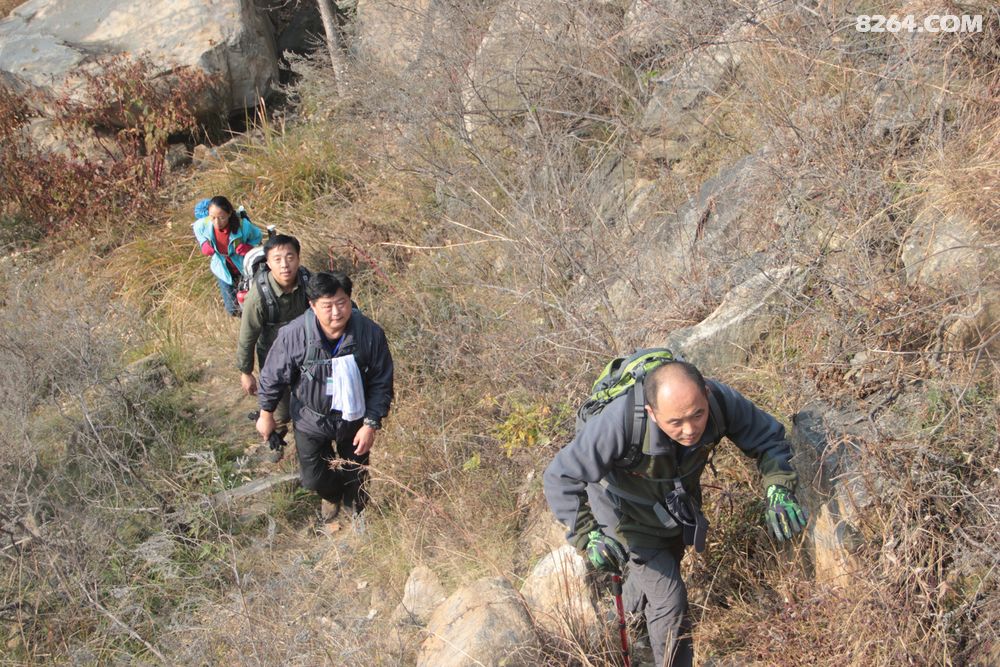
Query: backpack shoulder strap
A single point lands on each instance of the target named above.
(267, 296)
(314, 347)
(635, 430)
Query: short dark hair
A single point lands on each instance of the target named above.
(280, 240)
(328, 283)
(651, 383)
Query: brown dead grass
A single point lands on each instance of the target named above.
(7, 6)
(488, 324)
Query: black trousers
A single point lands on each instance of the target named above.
(346, 481)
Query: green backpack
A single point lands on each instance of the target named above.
(623, 375)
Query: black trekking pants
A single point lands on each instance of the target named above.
(344, 483)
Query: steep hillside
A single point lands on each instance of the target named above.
(523, 189)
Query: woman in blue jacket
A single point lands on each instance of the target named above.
(226, 236)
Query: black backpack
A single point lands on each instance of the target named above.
(255, 270)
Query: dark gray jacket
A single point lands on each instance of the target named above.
(310, 406)
(592, 455)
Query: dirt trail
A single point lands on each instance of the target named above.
(293, 594)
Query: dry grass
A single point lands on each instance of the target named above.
(7, 6)
(486, 260)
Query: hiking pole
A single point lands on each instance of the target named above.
(616, 590)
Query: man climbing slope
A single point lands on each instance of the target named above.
(338, 366)
(637, 510)
(277, 296)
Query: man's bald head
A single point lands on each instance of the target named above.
(671, 374)
(677, 402)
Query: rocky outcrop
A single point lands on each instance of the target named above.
(946, 251)
(726, 232)
(529, 44)
(45, 45)
(673, 122)
(724, 338)
(484, 623)
(917, 90)
(558, 596)
(422, 593)
(943, 249)
(837, 497)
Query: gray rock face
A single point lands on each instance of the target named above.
(720, 232)
(943, 249)
(918, 89)
(45, 45)
(558, 596)
(724, 338)
(672, 121)
(948, 252)
(836, 496)
(528, 45)
(655, 26)
(484, 623)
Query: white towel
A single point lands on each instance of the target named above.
(344, 387)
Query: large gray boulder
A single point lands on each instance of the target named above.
(422, 594)
(482, 624)
(45, 45)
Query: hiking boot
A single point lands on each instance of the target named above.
(328, 511)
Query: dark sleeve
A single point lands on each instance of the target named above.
(281, 368)
(758, 435)
(585, 460)
(379, 378)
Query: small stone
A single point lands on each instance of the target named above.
(177, 156)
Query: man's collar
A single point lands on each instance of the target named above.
(278, 289)
(346, 336)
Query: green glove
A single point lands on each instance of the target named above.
(605, 553)
(785, 517)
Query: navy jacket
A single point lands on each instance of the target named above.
(310, 406)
